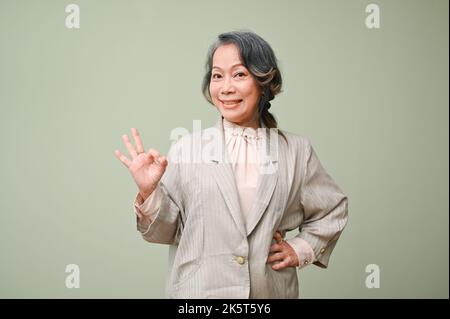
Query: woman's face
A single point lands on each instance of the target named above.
(233, 89)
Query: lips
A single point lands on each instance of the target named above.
(230, 103)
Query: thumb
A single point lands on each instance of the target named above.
(278, 237)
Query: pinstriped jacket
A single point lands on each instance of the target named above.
(214, 254)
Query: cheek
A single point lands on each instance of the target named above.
(213, 90)
(249, 89)
(251, 94)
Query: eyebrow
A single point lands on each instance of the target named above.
(234, 65)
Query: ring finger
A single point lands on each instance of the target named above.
(122, 158)
(275, 257)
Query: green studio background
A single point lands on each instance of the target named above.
(374, 103)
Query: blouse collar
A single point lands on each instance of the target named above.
(233, 129)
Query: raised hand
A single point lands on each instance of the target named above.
(146, 168)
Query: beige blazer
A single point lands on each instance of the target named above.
(213, 253)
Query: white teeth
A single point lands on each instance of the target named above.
(231, 103)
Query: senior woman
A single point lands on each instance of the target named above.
(225, 214)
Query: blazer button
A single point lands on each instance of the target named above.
(322, 250)
(240, 260)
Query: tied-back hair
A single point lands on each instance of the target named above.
(259, 58)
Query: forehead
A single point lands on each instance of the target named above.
(226, 56)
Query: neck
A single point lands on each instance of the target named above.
(253, 123)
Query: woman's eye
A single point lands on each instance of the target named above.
(216, 76)
(240, 74)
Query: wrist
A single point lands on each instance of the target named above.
(146, 193)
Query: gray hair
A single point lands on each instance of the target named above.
(259, 58)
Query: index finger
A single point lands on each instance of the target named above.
(137, 140)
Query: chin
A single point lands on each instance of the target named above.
(229, 116)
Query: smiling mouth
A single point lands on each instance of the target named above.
(230, 104)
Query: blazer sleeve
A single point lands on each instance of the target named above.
(325, 208)
(167, 224)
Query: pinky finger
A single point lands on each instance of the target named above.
(122, 158)
(163, 161)
(280, 265)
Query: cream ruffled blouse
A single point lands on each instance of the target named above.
(243, 145)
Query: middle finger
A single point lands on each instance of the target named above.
(138, 141)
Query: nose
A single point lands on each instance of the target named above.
(227, 87)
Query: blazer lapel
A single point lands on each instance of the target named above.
(224, 176)
(267, 180)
